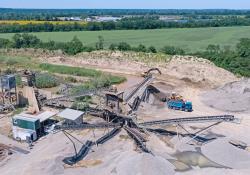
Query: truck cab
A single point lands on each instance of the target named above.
(188, 106)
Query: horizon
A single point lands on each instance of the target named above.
(128, 4)
(124, 8)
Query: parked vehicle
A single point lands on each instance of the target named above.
(180, 105)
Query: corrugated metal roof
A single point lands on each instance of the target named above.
(25, 117)
(70, 114)
(42, 116)
(45, 115)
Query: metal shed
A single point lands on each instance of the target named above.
(26, 122)
(71, 116)
(8, 82)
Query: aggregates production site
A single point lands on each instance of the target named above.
(183, 116)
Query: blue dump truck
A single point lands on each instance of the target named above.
(179, 105)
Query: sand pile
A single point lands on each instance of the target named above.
(198, 70)
(222, 152)
(188, 68)
(233, 97)
(144, 164)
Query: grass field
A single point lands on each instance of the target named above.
(191, 39)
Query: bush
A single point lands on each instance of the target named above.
(73, 47)
(171, 50)
(123, 46)
(77, 71)
(70, 79)
(140, 48)
(25, 41)
(82, 103)
(18, 80)
(88, 49)
(100, 44)
(98, 82)
(152, 49)
(5, 43)
(45, 80)
(113, 46)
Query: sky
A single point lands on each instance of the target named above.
(128, 4)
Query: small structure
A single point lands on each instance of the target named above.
(113, 100)
(31, 126)
(24, 127)
(71, 116)
(8, 83)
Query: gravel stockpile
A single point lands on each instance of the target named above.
(144, 164)
(222, 152)
(233, 97)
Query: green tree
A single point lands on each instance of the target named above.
(123, 46)
(30, 40)
(243, 47)
(152, 49)
(113, 46)
(17, 41)
(5, 43)
(100, 43)
(74, 46)
(171, 50)
(213, 48)
(141, 48)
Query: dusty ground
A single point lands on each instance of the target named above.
(191, 77)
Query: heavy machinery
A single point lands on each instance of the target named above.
(178, 103)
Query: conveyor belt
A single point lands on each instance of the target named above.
(108, 136)
(87, 126)
(172, 133)
(80, 155)
(223, 118)
(145, 81)
(69, 97)
(138, 140)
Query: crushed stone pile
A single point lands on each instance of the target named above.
(222, 152)
(198, 70)
(233, 97)
(145, 164)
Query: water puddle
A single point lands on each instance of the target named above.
(188, 159)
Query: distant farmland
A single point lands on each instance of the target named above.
(191, 39)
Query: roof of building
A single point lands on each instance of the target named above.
(70, 114)
(42, 116)
(45, 115)
(25, 117)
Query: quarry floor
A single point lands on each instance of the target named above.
(171, 155)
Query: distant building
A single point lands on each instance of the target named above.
(106, 18)
(69, 18)
(74, 19)
(88, 19)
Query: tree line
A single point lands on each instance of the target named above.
(75, 46)
(236, 60)
(52, 14)
(131, 23)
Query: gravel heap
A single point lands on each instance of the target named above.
(233, 97)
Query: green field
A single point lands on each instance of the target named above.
(190, 39)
